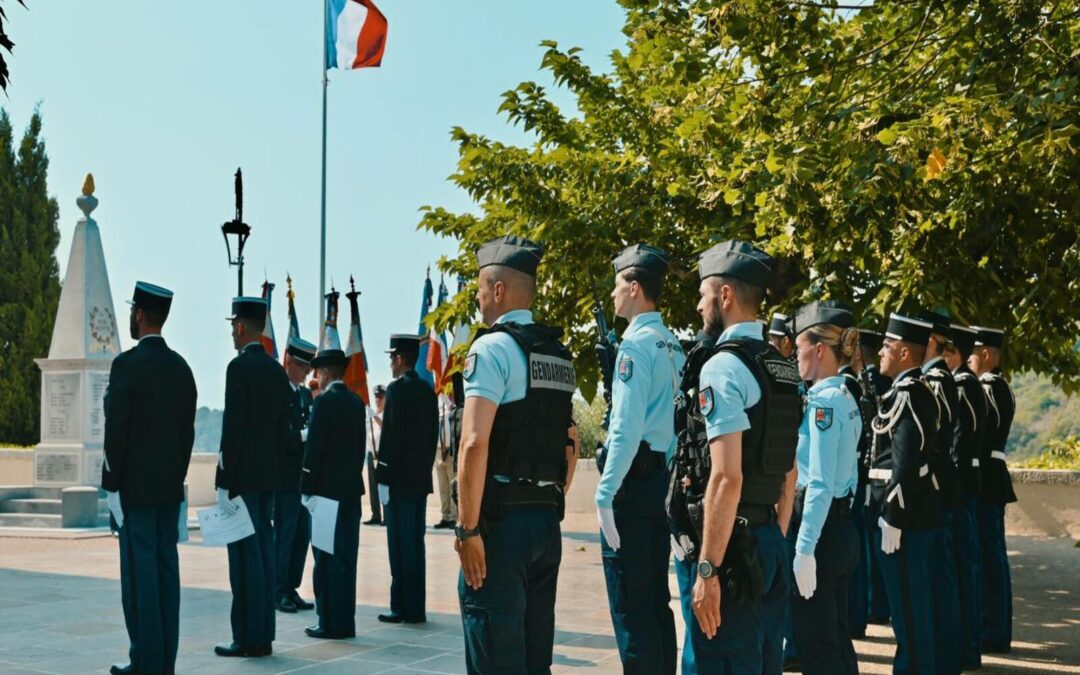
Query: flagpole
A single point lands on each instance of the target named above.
(322, 214)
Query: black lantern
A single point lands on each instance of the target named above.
(239, 229)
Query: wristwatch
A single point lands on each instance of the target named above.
(462, 534)
(706, 569)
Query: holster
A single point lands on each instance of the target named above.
(740, 572)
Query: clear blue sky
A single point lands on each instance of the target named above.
(161, 101)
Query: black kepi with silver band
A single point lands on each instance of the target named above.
(908, 329)
(151, 298)
(779, 326)
(989, 337)
(301, 350)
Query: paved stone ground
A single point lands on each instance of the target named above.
(60, 612)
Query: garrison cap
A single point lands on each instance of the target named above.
(940, 321)
(779, 325)
(963, 337)
(512, 251)
(870, 339)
(404, 343)
(151, 298)
(248, 308)
(648, 258)
(330, 357)
(908, 329)
(823, 311)
(989, 337)
(301, 351)
(737, 259)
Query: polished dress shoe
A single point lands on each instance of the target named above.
(390, 618)
(322, 634)
(299, 602)
(443, 525)
(234, 649)
(285, 604)
(117, 669)
(373, 521)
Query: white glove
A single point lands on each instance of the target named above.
(303, 435)
(225, 503)
(607, 525)
(890, 537)
(112, 499)
(806, 574)
(384, 494)
(680, 553)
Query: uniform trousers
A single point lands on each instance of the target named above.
(150, 585)
(878, 601)
(948, 636)
(858, 589)
(373, 489)
(405, 542)
(334, 576)
(445, 471)
(908, 582)
(997, 580)
(251, 576)
(509, 622)
(292, 535)
(637, 578)
(969, 575)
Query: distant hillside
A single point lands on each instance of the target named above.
(1043, 413)
(207, 430)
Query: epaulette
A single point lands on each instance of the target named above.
(910, 384)
(964, 377)
(989, 376)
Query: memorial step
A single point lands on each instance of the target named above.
(29, 520)
(34, 506)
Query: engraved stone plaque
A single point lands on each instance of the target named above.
(97, 383)
(92, 474)
(56, 468)
(60, 419)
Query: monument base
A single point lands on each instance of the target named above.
(72, 422)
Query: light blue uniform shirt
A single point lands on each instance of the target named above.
(643, 390)
(496, 365)
(827, 455)
(726, 387)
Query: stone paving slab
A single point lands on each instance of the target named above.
(60, 612)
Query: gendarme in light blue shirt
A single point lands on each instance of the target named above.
(827, 455)
(496, 365)
(643, 390)
(727, 387)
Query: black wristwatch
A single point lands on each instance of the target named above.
(462, 534)
(706, 569)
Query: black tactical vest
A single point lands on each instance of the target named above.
(528, 437)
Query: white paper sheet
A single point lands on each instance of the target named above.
(220, 527)
(323, 522)
(181, 526)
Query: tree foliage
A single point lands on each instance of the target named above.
(6, 45)
(29, 278)
(897, 155)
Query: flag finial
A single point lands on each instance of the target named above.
(352, 283)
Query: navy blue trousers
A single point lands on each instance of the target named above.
(637, 578)
(949, 646)
(509, 623)
(405, 542)
(969, 574)
(878, 600)
(822, 631)
(150, 585)
(334, 576)
(997, 580)
(909, 585)
(292, 535)
(251, 575)
(859, 586)
(750, 638)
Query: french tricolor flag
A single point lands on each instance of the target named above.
(355, 34)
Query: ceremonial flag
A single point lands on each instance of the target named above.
(436, 356)
(356, 371)
(294, 325)
(267, 338)
(331, 340)
(459, 336)
(421, 361)
(355, 34)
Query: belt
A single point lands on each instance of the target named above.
(886, 474)
(997, 454)
(756, 514)
(975, 462)
(519, 494)
(840, 506)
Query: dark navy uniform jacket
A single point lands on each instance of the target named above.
(336, 446)
(299, 417)
(410, 433)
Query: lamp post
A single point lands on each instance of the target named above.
(239, 229)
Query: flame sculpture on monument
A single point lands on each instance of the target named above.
(75, 374)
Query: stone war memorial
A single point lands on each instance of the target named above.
(696, 229)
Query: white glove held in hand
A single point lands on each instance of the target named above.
(112, 499)
(607, 525)
(805, 574)
(890, 537)
(384, 494)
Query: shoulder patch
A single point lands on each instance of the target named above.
(470, 367)
(705, 401)
(823, 418)
(626, 368)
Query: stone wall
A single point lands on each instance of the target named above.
(16, 466)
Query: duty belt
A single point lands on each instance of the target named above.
(524, 494)
(756, 514)
(840, 506)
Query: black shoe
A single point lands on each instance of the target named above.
(234, 649)
(443, 525)
(299, 602)
(995, 648)
(285, 604)
(373, 521)
(391, 618)
(321, 633)
(117, 669)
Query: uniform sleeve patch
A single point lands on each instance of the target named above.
(706, 401)
(470, 367)
(626, 368)
(823, 418)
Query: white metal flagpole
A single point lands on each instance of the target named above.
(322, 215)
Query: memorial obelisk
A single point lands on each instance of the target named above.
(76, 372)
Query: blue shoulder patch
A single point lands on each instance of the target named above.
(705, 401)
(626, 368)
(823, 418)
(470, 367)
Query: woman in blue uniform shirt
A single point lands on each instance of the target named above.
(821, 531)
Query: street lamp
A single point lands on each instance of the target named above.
(241, 230)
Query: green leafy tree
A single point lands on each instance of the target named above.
(29, 278)
(893, 155)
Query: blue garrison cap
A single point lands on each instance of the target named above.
(832, 312)
(151, 298)
(512, 251)
(737, 259)
(301, 350)
(248, 308)
(645, 257)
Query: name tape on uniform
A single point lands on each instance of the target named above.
(552, 372)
